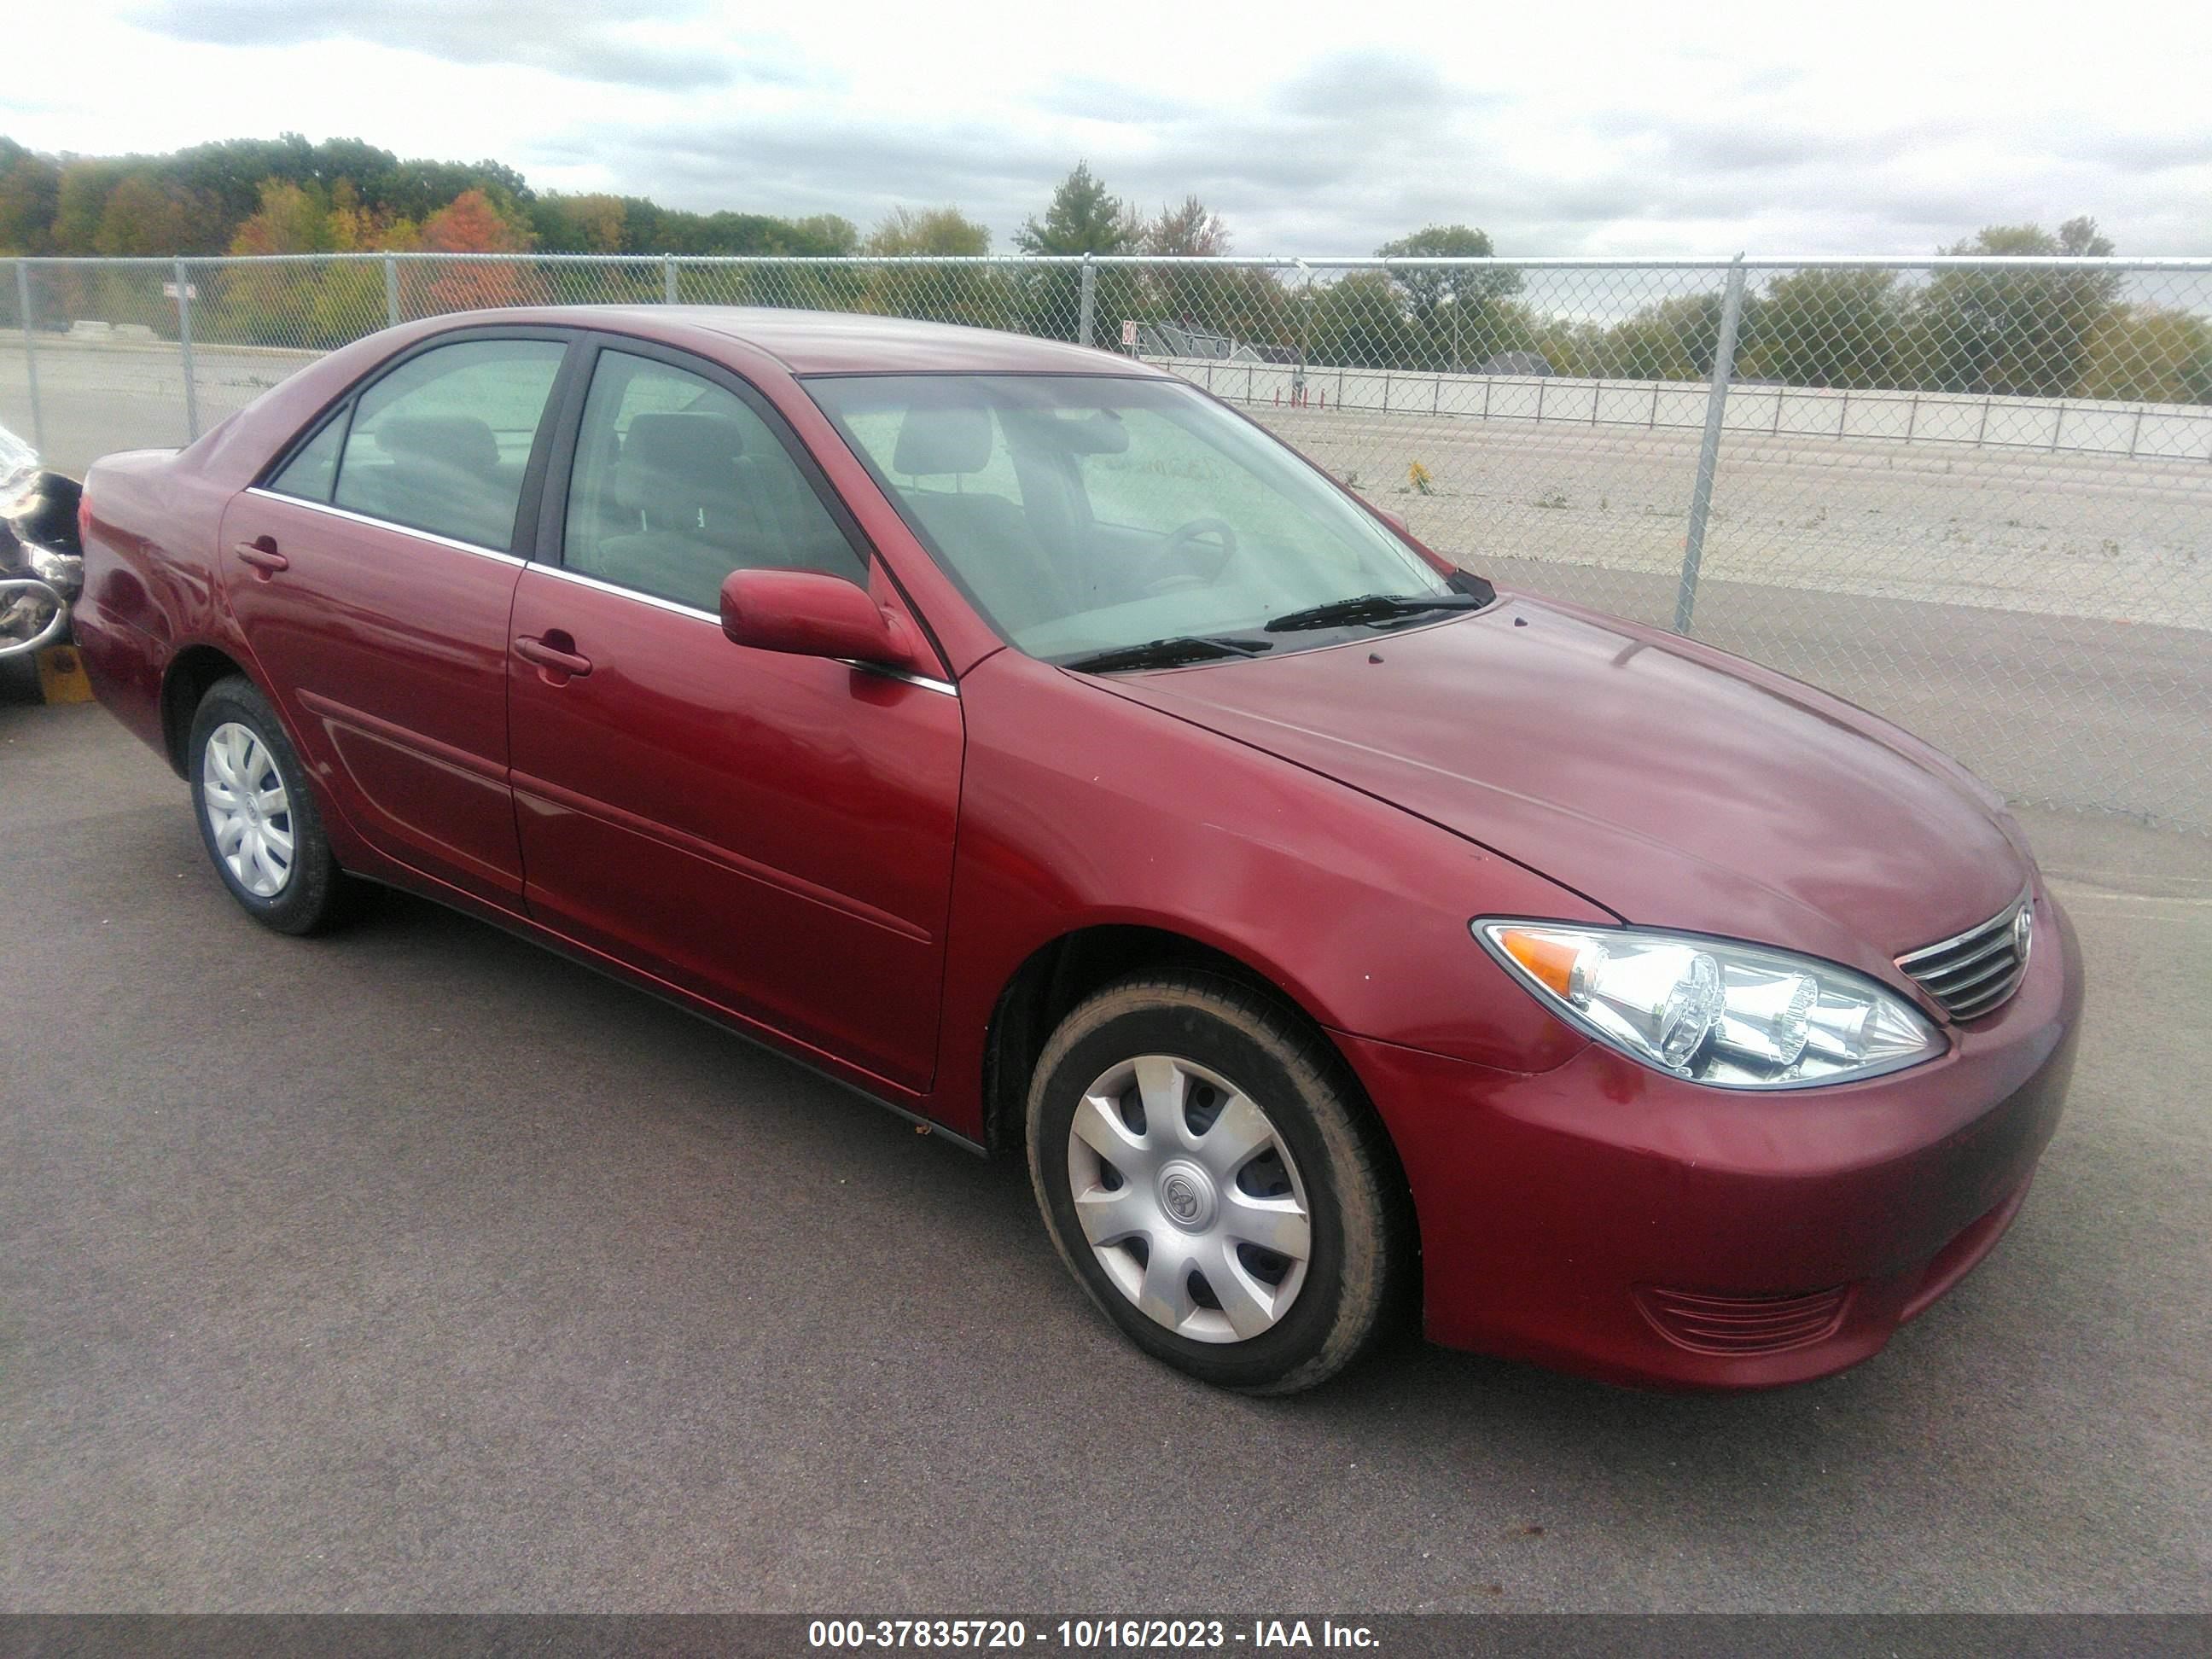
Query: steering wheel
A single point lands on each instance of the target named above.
(1157, 577)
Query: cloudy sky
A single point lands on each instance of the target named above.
(1691, 129)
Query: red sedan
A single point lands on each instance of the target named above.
(1034, 744)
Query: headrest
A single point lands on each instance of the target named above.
(460, 440)
(677, 457)
(943, 438)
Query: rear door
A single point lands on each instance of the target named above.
(374, 571)
(773, 833)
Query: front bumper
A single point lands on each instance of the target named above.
(1607, 1219)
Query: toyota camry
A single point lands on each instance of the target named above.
(1029, 741)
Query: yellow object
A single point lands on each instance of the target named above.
(1549, 960)
(61, 675)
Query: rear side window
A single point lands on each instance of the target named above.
(441, 442)
(677, 482)
(311, 472)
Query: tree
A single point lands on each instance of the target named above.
(825, 235)
(292, 219)
(357, 227)
(1359, 321)
(140, 218)
(580, 224)
(1082, 218)
(30, 191)
(940, 230)
(1449, 306)
(977, 295)
(1191, 231)
(2021, 333)
(81, 197)
(1429, 288)
(1826, 328)
(470, 223)
(2149, 354)
(1650, 346)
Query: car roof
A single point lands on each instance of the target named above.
(841, 341)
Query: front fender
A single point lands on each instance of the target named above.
(1079, 808)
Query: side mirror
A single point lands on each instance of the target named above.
(811, 613)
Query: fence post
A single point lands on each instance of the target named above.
(1709, 452)
(30, 355)
(1305, 338)
(668, 278)
(184, 352)
(391, 292)
(1086, 304)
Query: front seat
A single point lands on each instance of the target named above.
(986, 537)
(677, 478)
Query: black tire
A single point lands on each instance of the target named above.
(317, 894)
(1361, 1245)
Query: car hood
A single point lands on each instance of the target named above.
(1669, 783)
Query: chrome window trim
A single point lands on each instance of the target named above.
(599, 585)
(943, 688)
(352, 517)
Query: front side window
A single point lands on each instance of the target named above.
(677, 482)
(1087, 514)
(442, 441)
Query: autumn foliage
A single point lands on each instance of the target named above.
(472, 224)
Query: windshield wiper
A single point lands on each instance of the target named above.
(1165, 653)
(1371, 607)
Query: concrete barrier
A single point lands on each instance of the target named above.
(2059, 425)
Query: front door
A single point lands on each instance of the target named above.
(374, 574)
(772, 833)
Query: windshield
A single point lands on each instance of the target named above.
(1085, 513)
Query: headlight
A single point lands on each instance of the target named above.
(1737, 1016)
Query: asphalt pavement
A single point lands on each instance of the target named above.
(414, 1269)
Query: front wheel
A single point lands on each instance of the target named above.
(256, 818)
(1208, 1176)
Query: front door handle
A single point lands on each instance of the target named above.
(261, 553)
(555, 653)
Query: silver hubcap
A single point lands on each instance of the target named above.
(249, 814)
(1189, 1199)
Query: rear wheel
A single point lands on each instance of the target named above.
(1209, 1177)
(256, 817)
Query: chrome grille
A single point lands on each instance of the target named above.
(1971, 974)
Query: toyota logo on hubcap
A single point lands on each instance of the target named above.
(1186, 1196)
(1181, 1199)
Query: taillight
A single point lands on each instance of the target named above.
(83, 516)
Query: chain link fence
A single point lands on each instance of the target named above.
(1972, 495)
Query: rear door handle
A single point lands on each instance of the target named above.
(261, 553)
(554, 654)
